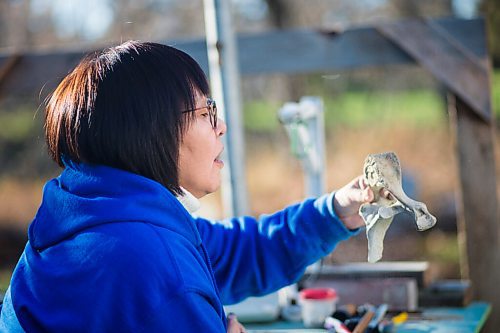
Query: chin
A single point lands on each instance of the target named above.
(213, 188)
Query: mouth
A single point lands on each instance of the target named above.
(218, 159)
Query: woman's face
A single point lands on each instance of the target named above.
(200, 151)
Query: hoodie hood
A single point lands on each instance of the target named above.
(85, 196)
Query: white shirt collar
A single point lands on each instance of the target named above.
(189, 201)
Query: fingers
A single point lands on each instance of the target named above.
(233, 325)
(361, 182)
(359, 196)
(386, 194)
(368, 195)
(358, 182)
(355, 192)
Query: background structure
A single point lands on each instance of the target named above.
(370, 110)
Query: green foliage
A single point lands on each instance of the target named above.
(420, 107)
(359, 108)
(4, 280)
(491, 10)
(495, 91)
(17, 126)
(261, 116)
(442, 247)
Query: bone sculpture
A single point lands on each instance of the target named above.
(382, 173)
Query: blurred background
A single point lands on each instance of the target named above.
(400, 109)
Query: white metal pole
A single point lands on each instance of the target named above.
(225, 84)
(315, 179)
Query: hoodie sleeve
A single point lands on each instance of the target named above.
(253, 257)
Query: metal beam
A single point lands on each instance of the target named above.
(287, 51)
(459, 69)
(37, 73)
(310, 50)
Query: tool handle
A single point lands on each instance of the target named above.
(363, 323)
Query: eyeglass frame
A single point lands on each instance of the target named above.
(212, 111)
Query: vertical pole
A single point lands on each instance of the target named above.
(315, 179)
(477, 205)
(225, 85)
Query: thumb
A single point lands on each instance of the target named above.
(233, 325)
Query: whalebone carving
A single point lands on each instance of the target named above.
(382, 172)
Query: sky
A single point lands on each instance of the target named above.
(67, 18)
(100, 14)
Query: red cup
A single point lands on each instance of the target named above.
(317, 304)
(318, 293)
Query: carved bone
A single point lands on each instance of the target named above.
(383, 172)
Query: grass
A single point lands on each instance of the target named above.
(18, 126)
(4, 280)
(261, 116)
(420, 107)
(495, 91)
(442, 247)
(359, 108)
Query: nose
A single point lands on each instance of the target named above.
(221, 127)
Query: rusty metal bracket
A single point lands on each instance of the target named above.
(463, 73)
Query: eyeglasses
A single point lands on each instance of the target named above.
(212, 111)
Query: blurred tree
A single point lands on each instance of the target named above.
(338, 15)
(412, 8)
(491, 10)
(279, 13)
(14, 18)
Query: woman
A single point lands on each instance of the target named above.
(114, 247)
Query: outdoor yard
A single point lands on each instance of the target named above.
(411, 123)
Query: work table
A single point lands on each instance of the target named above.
(469, 319)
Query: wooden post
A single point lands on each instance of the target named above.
(477, 205)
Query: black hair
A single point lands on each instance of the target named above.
(122, 107)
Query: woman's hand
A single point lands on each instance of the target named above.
(233, 325)
(348, 200)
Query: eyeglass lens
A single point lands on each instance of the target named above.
(212, 108)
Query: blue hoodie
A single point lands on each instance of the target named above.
(111, 251)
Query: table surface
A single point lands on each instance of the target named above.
(469, 319)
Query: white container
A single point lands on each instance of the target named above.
(256, 309)
(317, 304)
